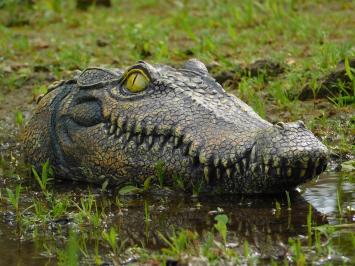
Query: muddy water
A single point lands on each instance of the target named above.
(254, 219)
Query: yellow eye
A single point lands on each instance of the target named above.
(136, 81)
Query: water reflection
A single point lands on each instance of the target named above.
(253, 219)
(331, 190)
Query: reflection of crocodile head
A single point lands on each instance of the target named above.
(116, 126)
(250, 219)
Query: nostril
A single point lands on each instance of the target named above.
(301, 124)
(280, 125)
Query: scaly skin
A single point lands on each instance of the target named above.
(93, 128)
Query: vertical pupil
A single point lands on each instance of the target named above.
(134, 79)
(136, 82)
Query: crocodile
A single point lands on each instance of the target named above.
(116, 126)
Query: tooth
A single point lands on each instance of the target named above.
(176, 141)
(314, 172)
(187, 148)
(266, 169)
(140, 139)
(128, 136)
(120, 122)
(112, 129)
(303, 173)
(118, 132)
(205, 171)
(242, 166)
(130, 126)
(278, 171)
(216, 161)
(289, 172)
(229, 172)
(218, 173)
(112, 118)
(266, 160)
(225, 162)
(244, 162)
(237, 168)
(276, 162)
(316, 163)
(150, 140)
(253, 154)
(202, 158)
(138, 128)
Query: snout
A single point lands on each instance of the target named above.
(289, 154)
(300, 165)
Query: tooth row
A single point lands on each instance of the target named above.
(120, 126)
(218, 171)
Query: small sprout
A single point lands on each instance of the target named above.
(19, 118)
(178, 181)
(348, 69)
(288, 201)
(339, 201)
(160, 172)
(246, 249)
(111, 238)
(146, 184)
(14, 198)
(221, 226)
(46, 174)
(147, 212)
(71, 254)
(309, 225)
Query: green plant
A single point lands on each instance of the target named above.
(288, 201)
(178, 181)
(14, 198)
(39, 90)
(246, 249)
(339, 204)
(277, 206)
(221, 226)
(309, 225)
(19, 118)
(146, 212)
(146, 184)
(178, 243)
(298, 255)
(111, 238)
(160, 172)
(70, 256)
(196, 187)
(46, 176)
(89, 211)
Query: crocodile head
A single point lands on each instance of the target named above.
(118, 125)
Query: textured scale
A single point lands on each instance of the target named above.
(98, 127)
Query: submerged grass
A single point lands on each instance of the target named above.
(82, 229)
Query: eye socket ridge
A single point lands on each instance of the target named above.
(135, 80)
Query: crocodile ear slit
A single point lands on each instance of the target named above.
(94, 78)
